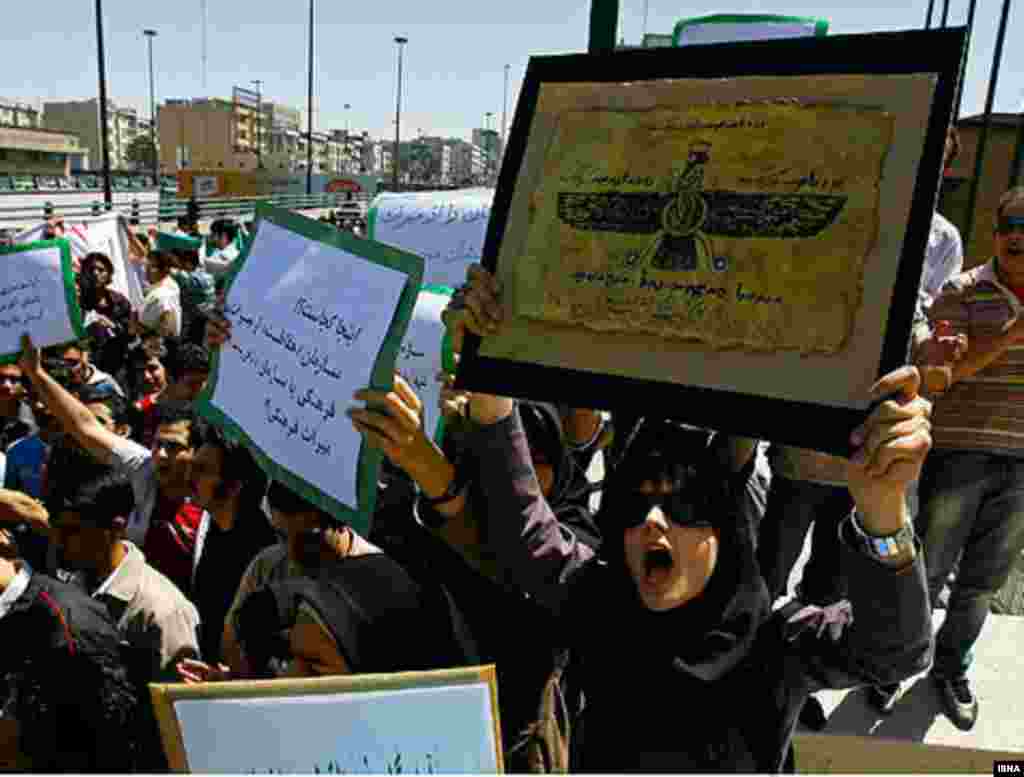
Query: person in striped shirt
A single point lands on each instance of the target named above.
(971, 350)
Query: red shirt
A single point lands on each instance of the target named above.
(171, 543)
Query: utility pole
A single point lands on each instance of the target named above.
(504, 114)
(401, 41)
(259, 122)
(108, 195)
(309, 133)
(604, 19)
(150, 34)
(979, 157)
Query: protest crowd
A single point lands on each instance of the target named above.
(643, 622)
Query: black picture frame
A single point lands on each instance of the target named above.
(823, 427)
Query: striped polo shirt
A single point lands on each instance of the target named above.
(986, 411)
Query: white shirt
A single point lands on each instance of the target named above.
(943, 259)
(221, 261)
(161, 298)
(15, 589)
(135, 461)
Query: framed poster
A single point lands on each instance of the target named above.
(37, 296)
(441, 722)
(732, 234)
(316, 315)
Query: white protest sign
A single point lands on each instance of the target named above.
(446, 228)
(421, 356)
(443, 722)
(309, 320)
(37, 295)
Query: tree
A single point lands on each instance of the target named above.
(141, 153)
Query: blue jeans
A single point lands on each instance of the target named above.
(971, 503)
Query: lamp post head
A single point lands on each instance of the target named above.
(400, 40)
(149, 33)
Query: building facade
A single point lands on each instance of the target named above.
(208, 134)
(15, 114)
(37, 151)
(468, 164)
(1000, 152)
(82, 118)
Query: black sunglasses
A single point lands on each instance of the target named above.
(1010, 224)
(685, 508)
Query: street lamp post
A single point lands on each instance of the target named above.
(150, 34)
(108, 196)
(348, 140)
(504, 113)
(398, 110)
(309, 125)
(259, 122)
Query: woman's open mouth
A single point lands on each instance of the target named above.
(658, 563)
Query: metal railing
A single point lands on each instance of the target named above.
(169, 210)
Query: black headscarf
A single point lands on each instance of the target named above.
(720, 623)
(371, 606)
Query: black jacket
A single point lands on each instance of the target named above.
(71, 693)
(714, 685)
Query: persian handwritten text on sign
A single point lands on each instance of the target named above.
(446, 228)
(309, 321)
(34, 295)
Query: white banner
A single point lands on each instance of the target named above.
(421, 356)
(446, 228)
(731, 29)
(105, 235)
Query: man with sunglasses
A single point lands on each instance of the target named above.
(165, 521)
(972, 487)
(81, 371)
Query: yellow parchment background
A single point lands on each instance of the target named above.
(810, 287)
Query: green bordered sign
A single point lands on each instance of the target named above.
(316, 315)
(37, 296)
(165, 241)
(731, 28)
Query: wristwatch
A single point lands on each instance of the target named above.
(433, 519)
(888, 547)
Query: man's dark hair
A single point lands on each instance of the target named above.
(224, 227)
(282, 497)
(954, 147)
(239, 466)
(175, 412)
(190, 357)
(100, 496)
(1013, 197)
(105, 393)
(162, 260)
(185, 224)
(188, 258)
(95, 256)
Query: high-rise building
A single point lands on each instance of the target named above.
(82, 118)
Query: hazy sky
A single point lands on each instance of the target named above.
(454, 61)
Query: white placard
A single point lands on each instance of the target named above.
(33, 299)
(446, 228)
(420, 357)
(443, 730)
(308, 322)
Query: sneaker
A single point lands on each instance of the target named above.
(812, 715)
(884, 697)
(958, 702)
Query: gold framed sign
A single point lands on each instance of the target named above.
(732, 233)
(440, 722)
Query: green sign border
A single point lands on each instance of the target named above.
(820, 25)
(70, 288)
(381, 379)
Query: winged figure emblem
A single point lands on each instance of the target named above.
(684, 220)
